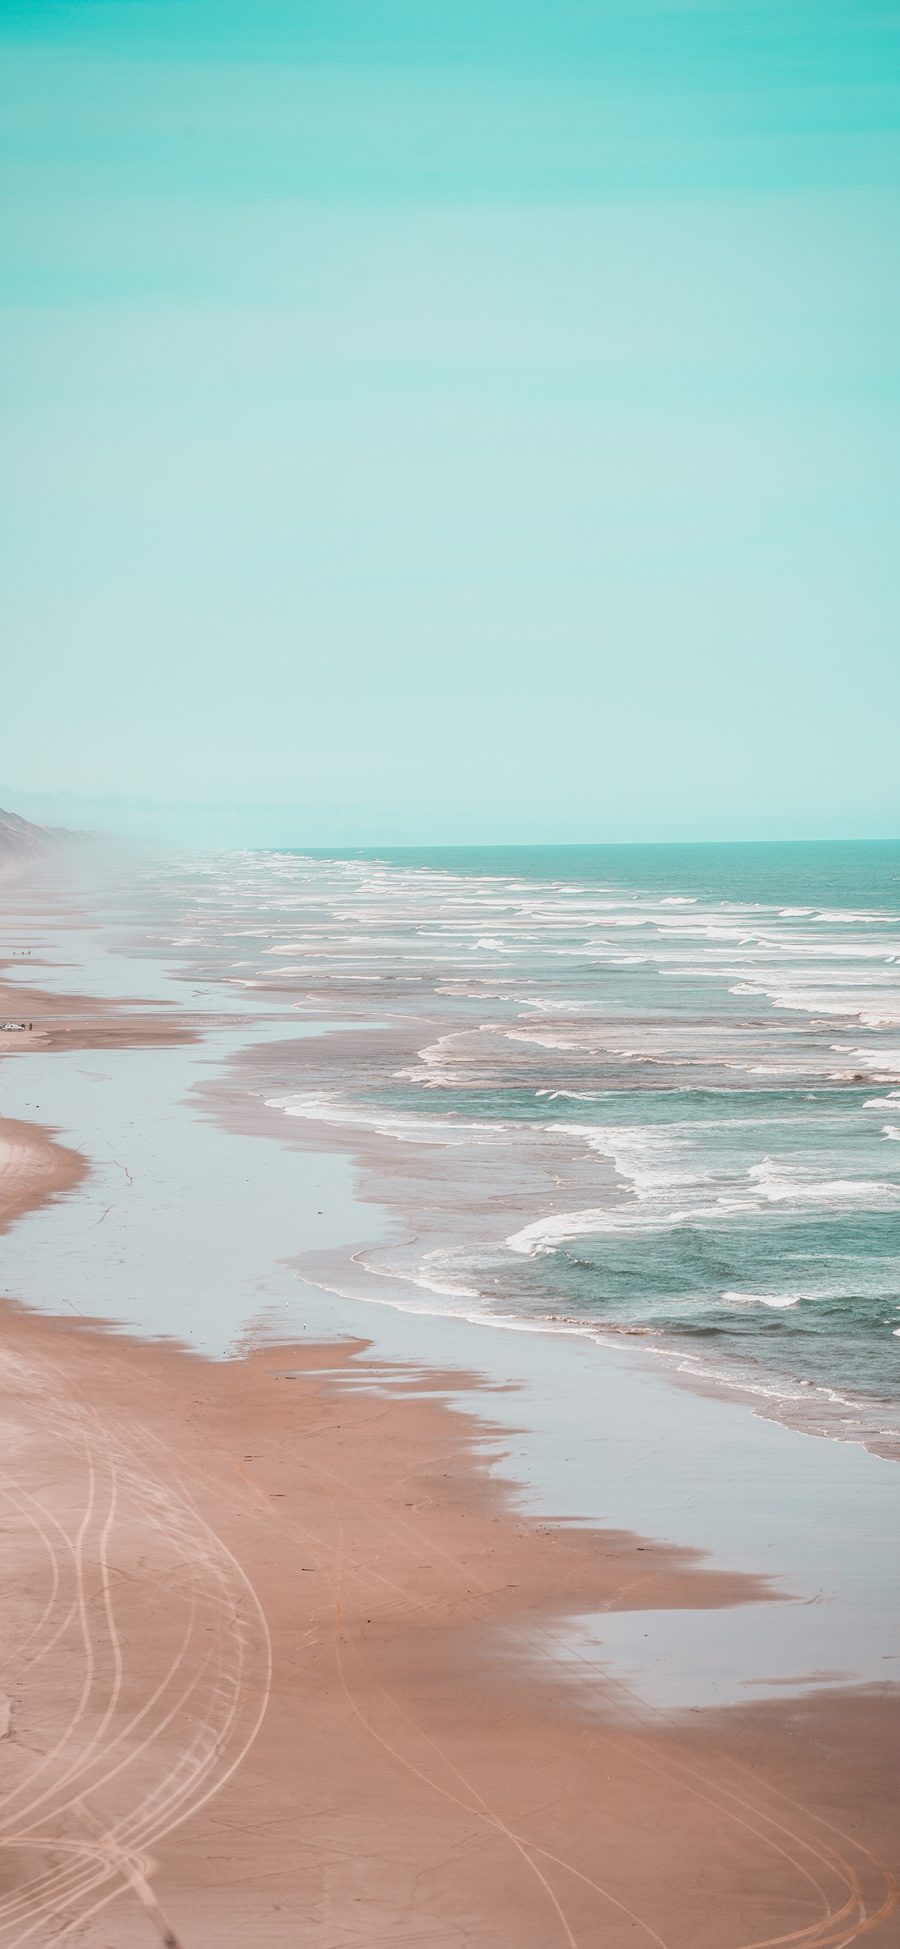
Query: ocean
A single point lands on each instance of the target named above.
(640, 1090)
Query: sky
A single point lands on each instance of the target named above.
(451, 420)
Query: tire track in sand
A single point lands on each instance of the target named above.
(141, 1750)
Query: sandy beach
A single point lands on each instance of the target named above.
(450, 975)
(309, 1540)
(290, 1636)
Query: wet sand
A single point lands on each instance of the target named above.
(287, 1655)
(45, 1020)
(34, 1168)
(267, 1619)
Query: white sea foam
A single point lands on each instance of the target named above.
(319, 1106)
(435, 1055)
(576, 1096)
(883, 1065)
(548, 1040)
(771, 1185)
(652, 1162)
(856, 1420)
(429, 1277)
(546, 1233)
(762, 1299)
(891, 1131)
(780, 1185)
(847, 916)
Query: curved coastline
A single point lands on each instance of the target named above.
(432, 1618)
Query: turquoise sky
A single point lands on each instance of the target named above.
(451, 420)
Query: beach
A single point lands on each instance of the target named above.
(449, 976)
(344, 1619)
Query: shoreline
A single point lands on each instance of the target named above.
(448, 1710)
(35, 1169)
(418, 1711)
(814, 1409)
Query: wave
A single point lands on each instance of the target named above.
(587, 1042)
(762, 1299)
(882, 1065)
(429, 1279)
(320, 1106)
(780, 1185)
(575, 1096)
(800, 1402)
(544, 1234)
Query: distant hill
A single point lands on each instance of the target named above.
(20, 840)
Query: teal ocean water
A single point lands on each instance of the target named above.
(651, 1090)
